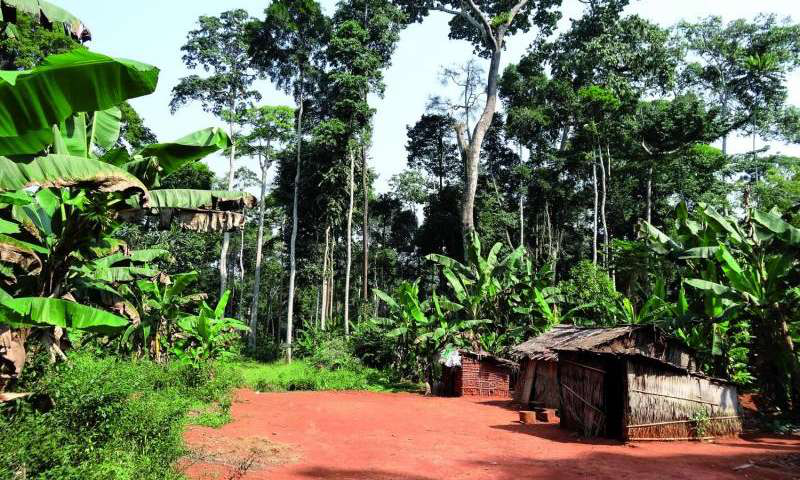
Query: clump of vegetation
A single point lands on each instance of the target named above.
(100, 417)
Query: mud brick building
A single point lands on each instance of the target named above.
(479, 375)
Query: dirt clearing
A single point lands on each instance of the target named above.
(359, 435)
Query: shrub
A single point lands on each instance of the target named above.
(104, 418)
(588, 285)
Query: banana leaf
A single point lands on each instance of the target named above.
(191, 148)
(42, 312)
(66, 84)
(201, 199)
(42, 10)
(60, 171)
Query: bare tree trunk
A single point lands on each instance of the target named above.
(324, 313)
(349, 261)
(293, 242)
(241, 277)
(521, 221)
(596, 202)
(259, 255)
(603, 207)
(365, 186)
(226, 238)
(650, 194)
(470, 148)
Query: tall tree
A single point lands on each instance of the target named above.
(725, 73)
(486, 25)
(288, 45)
(271, 127)
(220, 47)
(432, 148)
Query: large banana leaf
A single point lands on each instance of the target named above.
(67, 84)
(60, 171)
(40, 9)
(191, 148)
(37, 311)
(201, 199)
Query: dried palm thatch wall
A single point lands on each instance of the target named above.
(669, 404)
(584, 402)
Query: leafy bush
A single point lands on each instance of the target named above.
(103, 418)
(591, 287)
(326, 349)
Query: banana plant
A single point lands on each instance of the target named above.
(65, 187)
(208, 335)
(744, 270)
(425, 328)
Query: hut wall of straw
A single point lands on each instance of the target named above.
(669, 404)
(583, 396)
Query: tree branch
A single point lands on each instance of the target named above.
(487, 26)
(462, 13)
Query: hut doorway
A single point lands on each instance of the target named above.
(616, 396)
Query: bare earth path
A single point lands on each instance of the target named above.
(358, 435)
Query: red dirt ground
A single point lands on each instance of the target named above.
(358, 435)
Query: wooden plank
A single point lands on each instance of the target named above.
(643, 392)
(527, 383)
(680, 421)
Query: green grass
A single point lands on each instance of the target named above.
(301, 376)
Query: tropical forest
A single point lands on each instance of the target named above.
(399, 239)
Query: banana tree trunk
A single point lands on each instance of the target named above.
(349, 261)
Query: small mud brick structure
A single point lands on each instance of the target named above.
(637, 383)
(479, 375)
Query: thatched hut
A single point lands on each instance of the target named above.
(538, 364)
(478, 374)
(637, 383)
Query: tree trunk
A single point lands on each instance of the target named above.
(226, 238)
(650, 194)
(349, 260)
(293, 241)
(259, 255)
(603, 207)
(471, 149)
(596, 202)
(324, 309)
(364, 185)
(521, 221)
(241, 277)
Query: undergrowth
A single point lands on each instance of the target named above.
(303, 376)
(105, 418)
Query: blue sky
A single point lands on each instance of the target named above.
(153, 31)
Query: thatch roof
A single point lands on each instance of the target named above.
(614, 340)
(543, 347)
